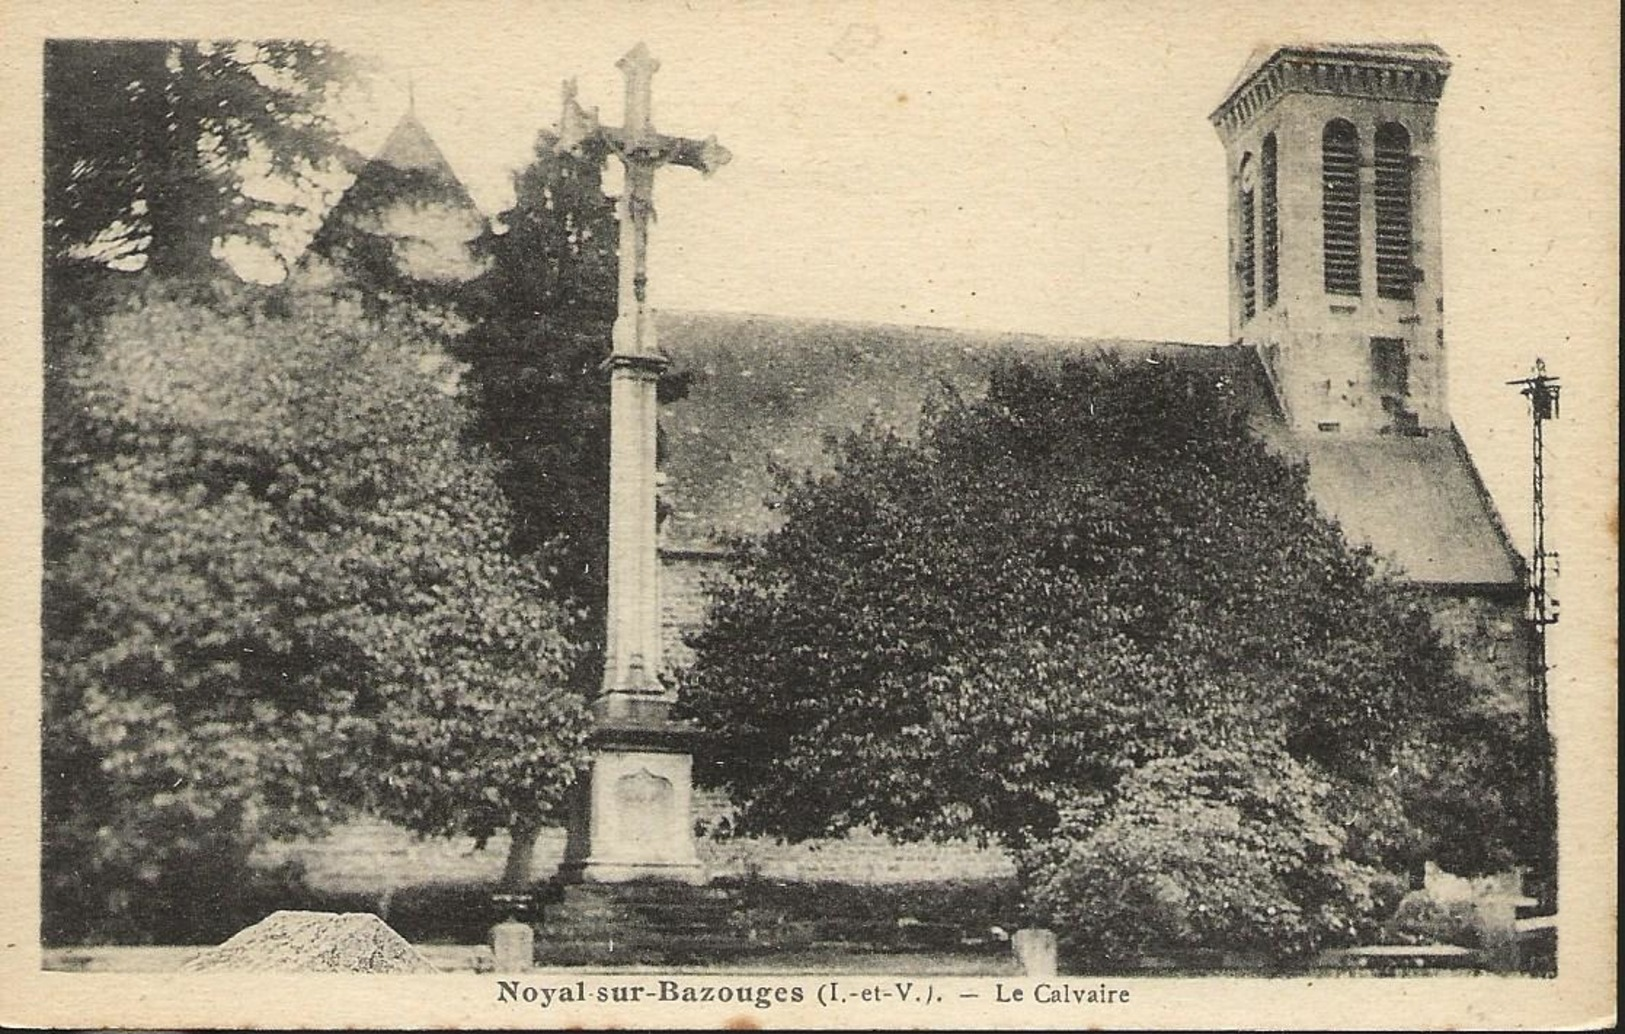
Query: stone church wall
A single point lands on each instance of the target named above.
(685, 582)
(370, 856)
(1491, 642)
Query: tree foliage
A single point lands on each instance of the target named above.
(373, 239)
(150, 143)
(1216, 850)
(1055, 593)
(553, 253)
(277, 586)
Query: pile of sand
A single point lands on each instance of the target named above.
(314, 942)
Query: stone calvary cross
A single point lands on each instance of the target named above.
(631, 819)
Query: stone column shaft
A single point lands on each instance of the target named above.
(632, 614)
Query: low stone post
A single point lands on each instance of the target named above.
(513, 941)
(1496, 917)
(513, 946)
(1035, 952)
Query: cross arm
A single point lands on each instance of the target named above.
(579, 127)
(658, 149)
(705, 155)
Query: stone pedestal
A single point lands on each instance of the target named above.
(632, 816)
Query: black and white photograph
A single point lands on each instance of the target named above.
(854, 515)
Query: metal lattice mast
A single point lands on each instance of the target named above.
(1542, 392)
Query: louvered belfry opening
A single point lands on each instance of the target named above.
(1248, 261)
(1392, 185)
(1271, 229)
(1340, 206)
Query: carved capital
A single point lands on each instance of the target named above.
(637, 363)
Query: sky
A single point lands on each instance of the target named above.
(1049, 167)
(1037, 166)
(1033, 167)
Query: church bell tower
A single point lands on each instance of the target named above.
(1333, 178)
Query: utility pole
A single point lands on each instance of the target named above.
(1542, 391)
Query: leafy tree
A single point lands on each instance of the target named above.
(150, 143)
(553, 254)
(276, 587)
(1051, 596)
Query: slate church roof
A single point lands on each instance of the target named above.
(768, 390)
(1417, 500)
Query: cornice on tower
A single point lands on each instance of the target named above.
(1384, 71)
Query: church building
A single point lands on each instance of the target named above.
(1336, 335)
(1336, 340)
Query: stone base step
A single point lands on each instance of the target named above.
(642, 892)
(652, 923)
(660, 913)
(605, 928)
(654, 950)
(666, 955)
(642, 924)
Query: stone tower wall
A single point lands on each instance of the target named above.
(1317, 345)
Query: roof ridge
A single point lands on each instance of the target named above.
(1516, 558)
(987, 332)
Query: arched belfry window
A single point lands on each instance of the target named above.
(1271, 229)
(1392, 186)
(1340, 206)
(1247, 216)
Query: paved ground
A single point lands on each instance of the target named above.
(453, 958)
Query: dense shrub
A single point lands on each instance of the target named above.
(1213, 850)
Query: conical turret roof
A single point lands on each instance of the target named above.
(410, 147)
(408, 197)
